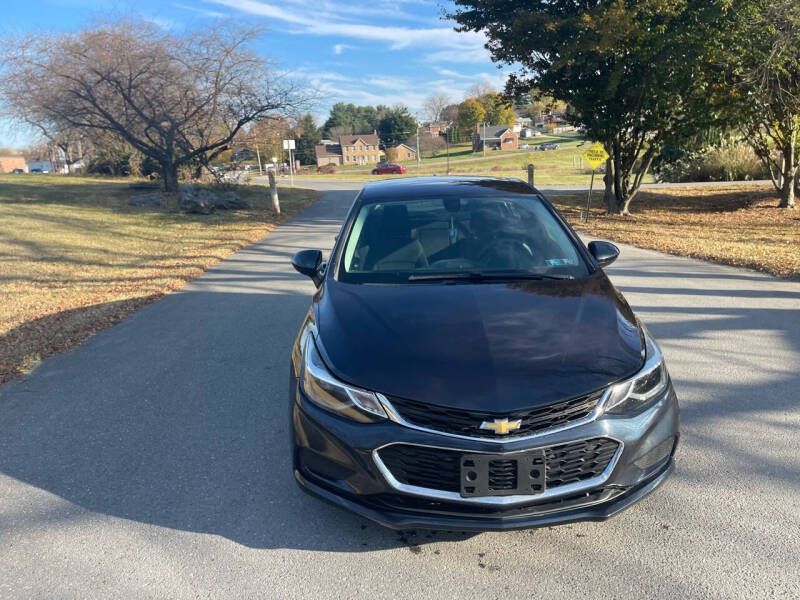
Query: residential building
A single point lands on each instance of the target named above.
(9, 162)
(527, 132)
(521, 123)
(356, 149)
(360, 149)
(497, 137)
(328, 154)
(400, 153)
(434, 128)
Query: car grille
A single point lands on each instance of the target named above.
(468, 422)
(440, 469)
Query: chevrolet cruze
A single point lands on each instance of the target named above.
(466, 364)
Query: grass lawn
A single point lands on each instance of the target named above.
(75, 258)
(735, 225)
(553, 167)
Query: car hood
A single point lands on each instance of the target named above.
(487, 346)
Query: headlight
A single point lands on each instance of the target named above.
(638, 391)
(324, 390)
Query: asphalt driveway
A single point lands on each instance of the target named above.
(153, 460)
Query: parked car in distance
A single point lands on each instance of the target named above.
(36, 171)
(17, 171)
(523, 146)
(466, 364)
(383, 168)
(548, 146)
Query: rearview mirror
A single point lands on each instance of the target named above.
(308, 263)
(604, 253)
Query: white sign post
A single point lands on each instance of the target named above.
(289, 145)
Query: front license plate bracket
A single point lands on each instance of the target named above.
(503, 474)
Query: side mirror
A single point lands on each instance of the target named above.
(308, 263)
(604, 253)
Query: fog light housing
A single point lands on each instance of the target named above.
(655, 455)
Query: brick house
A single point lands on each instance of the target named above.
(356, 149)
(498, 137)
(400, 153)
(434, 128)
(9, 162)
(360, 149)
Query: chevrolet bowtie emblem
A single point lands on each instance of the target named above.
(501, 426)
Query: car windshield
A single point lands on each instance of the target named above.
(476, 238)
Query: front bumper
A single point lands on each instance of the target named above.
(335, 459)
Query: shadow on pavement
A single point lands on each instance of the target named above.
(185, 425)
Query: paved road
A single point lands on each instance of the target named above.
(320, 183)
(152, 462)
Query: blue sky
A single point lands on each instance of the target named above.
(360, 51)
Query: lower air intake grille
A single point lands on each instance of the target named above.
(440, 469)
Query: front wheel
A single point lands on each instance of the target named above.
(374, 171)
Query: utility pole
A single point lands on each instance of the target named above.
(447, 145)
(258, 154)
(484, 138)
(291, 166)
(418, 157)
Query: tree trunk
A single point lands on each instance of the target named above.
(608, 179)
(615, 199)
(169, 176)
(787, 190)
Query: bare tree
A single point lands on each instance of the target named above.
(429, 144)
(477, 90)
(68, 145)
(177, 99)
(340, 130)
(434, 105)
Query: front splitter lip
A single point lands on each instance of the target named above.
(401, 520)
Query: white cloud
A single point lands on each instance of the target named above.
(201, 11)
(452, 46)
(339, 48)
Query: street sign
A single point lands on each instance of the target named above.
(595, 155)
(288, 144)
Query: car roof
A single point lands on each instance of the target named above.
(414, 188)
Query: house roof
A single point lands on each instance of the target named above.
(322, 150)
(492, 131)
(405, 146)
(368, 138)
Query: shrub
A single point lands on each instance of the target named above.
(728, 161)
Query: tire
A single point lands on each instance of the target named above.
(374, 171)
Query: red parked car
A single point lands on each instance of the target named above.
(383, 168)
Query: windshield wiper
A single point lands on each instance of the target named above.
(485, 276)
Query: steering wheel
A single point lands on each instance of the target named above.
(507, 248)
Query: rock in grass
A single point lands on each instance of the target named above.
(203, 201)
(233, 201)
